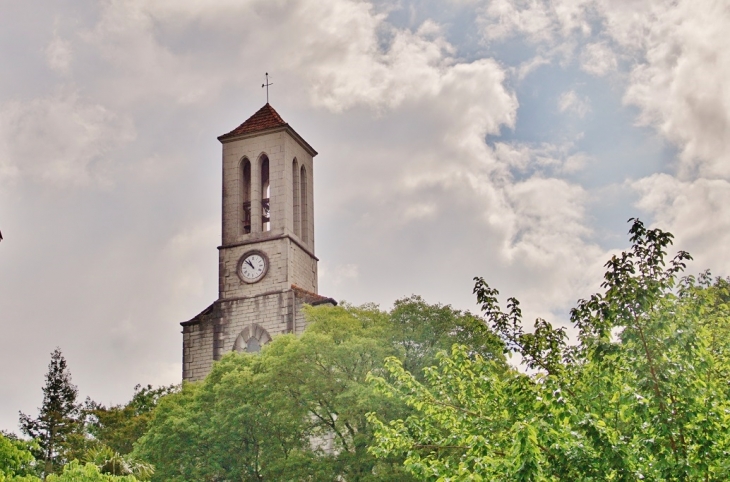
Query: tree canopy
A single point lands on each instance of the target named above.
(297, 411)
(644, 394)
(16, 459)
(424, 392)
(118, 427)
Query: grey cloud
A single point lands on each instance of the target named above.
(410, 197)
(60, 139)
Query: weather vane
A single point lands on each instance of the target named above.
(267, 84)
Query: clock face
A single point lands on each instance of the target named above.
(253, 267)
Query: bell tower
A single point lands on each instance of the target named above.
(267, 268)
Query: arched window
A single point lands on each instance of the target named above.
(245, 196)
(265, 195)
(253, 345)
(303, 204)
(251, 339)
(295, 196)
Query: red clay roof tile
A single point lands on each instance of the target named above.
(265, 118)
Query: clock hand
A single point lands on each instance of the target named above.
(248, 262)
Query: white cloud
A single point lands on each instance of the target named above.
(678, 83)
(546, 158)
(415, 65)
(681, 86)
(696, 212)
(539, 20)
(670, 61)
(505, 18)
(598, 59)
(531, 65)
(572, 103)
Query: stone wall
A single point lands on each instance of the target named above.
(275, 279)
(289, 264)
(215, 331)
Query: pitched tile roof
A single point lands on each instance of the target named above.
(265, 118)
(313, 299)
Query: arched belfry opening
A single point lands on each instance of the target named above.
(245, 196)
(295, 197)
(265, 195)
(303, 205)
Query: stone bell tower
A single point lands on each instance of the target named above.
(267, 268)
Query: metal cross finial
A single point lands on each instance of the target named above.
(267, 84)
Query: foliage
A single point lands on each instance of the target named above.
(297, 411)
(75, 472)
(16, 458)
(421, 330)
(645, 393)
(19, 478)
(57, 429)
(112, 463)
(17, 464)
(118, 427)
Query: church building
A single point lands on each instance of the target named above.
(267, 269)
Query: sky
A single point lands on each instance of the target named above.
(508, 139)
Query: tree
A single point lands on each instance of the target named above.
(297, 411)
(57, 427)
(16, 459)
(17, 464)
(118, 427)
(642, 395)
(75, 472)
(421, 330)
(110, 462)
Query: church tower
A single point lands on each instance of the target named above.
(267, 268)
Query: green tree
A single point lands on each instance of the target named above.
(118, 427)
(421, 330)
(58, 427)
(642, 395)
(297, 411)
(112, 463)
(16, 458)
(75, 472)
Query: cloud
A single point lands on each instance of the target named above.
(572, 103)
(178, 256)
(415, 65)
(61, 139)
(549, 232)
(413, 193)
(529, 66)
(598, 59)
(547, 159)
(696, 212)
(59, 55)
(680, 87)
(423, 116)
(677, 80)
(507, 18)
(538, 20)
(669, 61)
(339, 274)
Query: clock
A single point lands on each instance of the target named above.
(253, 266)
